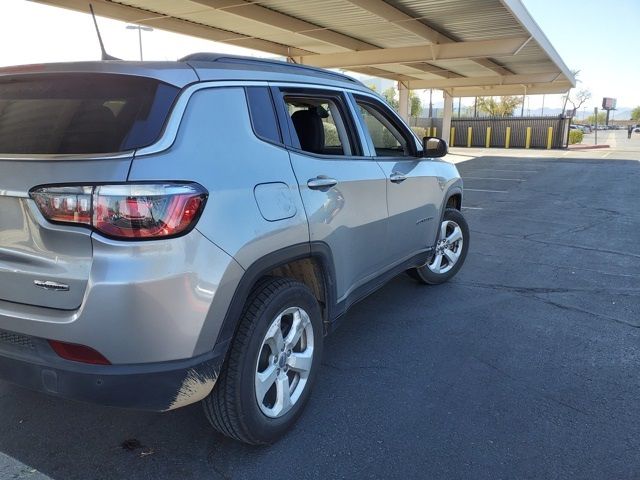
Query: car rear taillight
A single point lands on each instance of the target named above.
(128, 211)
(65, 204)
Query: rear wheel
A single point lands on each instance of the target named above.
(272, 364)
(450, 252)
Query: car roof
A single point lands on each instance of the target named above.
(199, 67)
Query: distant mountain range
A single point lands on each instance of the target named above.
(623, 113)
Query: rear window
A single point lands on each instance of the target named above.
(81, 113)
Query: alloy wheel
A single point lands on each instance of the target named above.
(284, 362)
(448, 248)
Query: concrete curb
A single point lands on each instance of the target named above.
(579, 146)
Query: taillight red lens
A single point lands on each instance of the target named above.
(131, 211)
(146, 211)
(78, 353)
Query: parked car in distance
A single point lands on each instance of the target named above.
(177, 232)
(582, 128)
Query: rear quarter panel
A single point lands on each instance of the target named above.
(216, 147)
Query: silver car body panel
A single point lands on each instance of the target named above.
(351, 217)
(130, 313)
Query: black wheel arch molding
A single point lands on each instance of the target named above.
(318, 251)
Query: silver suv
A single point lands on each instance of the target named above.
(190, 231)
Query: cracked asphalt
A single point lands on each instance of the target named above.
(526, 365)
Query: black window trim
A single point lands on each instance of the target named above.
(341, 100)
(282, 142)
(384, 110)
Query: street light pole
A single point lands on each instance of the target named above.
(140, 28)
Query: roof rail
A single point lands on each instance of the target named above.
(279, 64)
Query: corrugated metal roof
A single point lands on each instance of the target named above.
(394, 38)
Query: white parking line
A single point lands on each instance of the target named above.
(500, 179)
(487, 191)
(472, 208)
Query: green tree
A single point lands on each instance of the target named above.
(635, 114)
(416, 104)
(602, 117)
(372, 87)
(501, 107)
(390, 96)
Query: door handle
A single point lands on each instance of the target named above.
(397, 177)
(321, 182)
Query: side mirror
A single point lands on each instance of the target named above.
(434, 147)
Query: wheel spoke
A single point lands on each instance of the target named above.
(436, 264)
(300, 322)
(443, 230)
(264, 381)
(455, 235)
(301, 362)
(451, 256)
(283, 395)
(274, 338)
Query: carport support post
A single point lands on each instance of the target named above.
(446, 115)
(403, 103)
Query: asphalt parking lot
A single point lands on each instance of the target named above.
(526, 365)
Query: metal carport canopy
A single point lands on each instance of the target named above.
(466, 48)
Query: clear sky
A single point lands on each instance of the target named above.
(599, 38)
(596, 37)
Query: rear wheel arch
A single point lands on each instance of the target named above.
(310, 264)
(454, 201)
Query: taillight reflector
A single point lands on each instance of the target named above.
(78, 353)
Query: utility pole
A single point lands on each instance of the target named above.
(140, 28)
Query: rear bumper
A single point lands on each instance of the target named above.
(155, 387)
(145, 302)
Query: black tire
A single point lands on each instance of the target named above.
(424, 274)
(232, 407)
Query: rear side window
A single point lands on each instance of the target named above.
(81, 113)
(319, 124)
(263, 115)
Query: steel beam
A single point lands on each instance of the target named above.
(443, 51)
(484, 81)
(257, 13)
(499, 90)
(392, 14)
